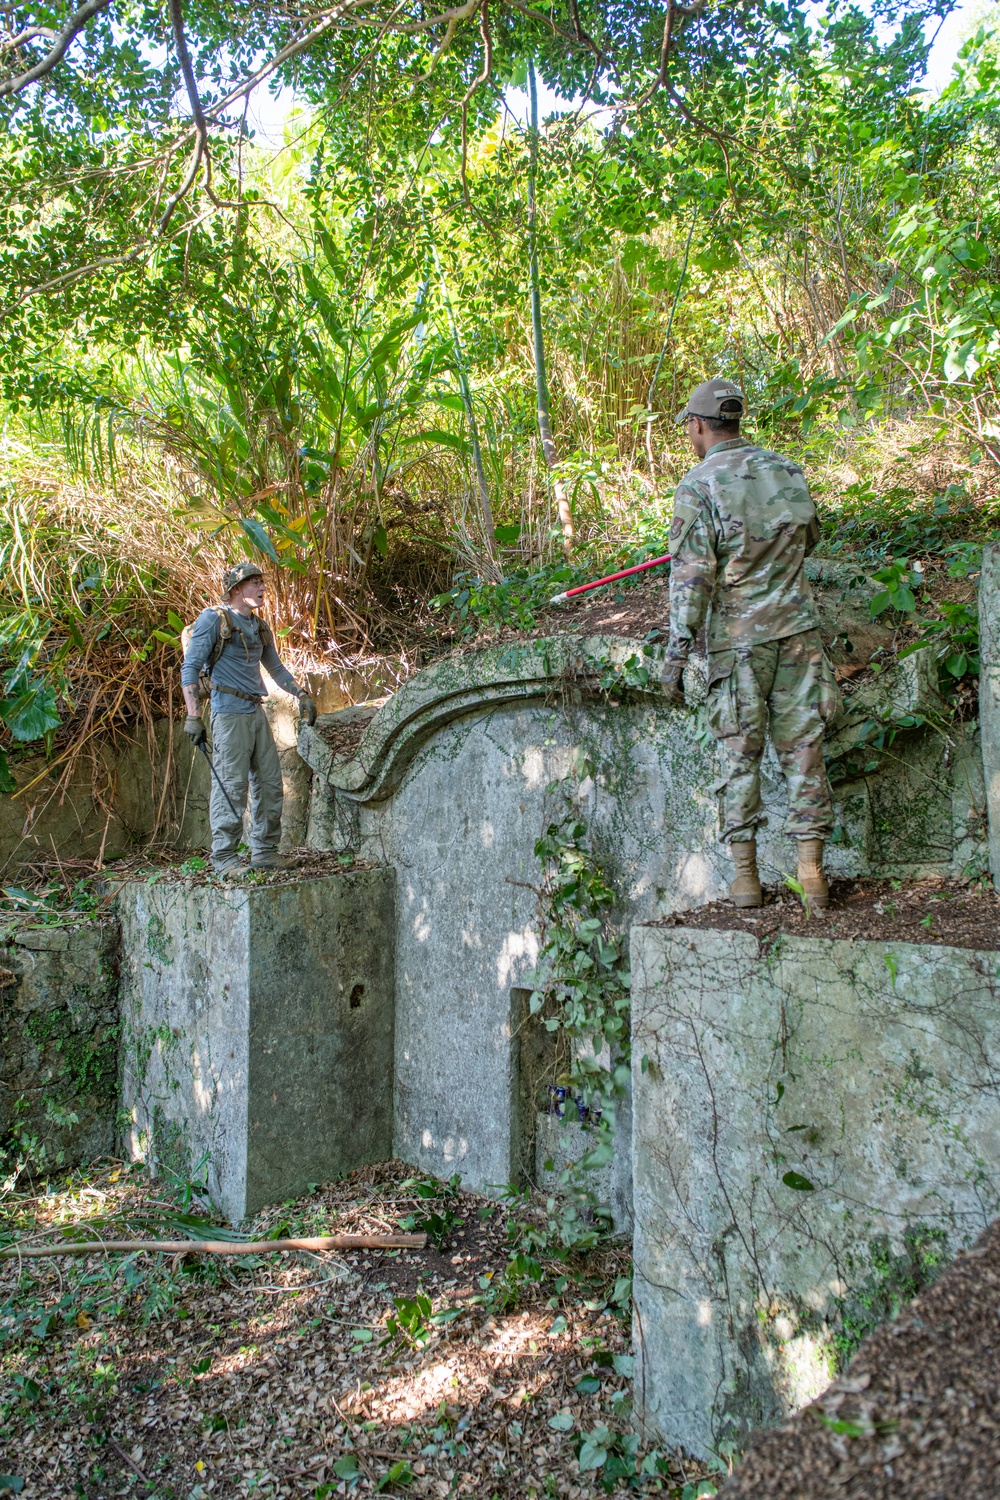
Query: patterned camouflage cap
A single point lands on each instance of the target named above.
(240, 574)
(714, 398)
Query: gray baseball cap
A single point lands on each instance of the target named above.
(714, 398)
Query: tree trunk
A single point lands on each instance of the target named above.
(541, 380)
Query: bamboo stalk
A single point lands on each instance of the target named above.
(541, 379)
(651, 393)
(221, 1247)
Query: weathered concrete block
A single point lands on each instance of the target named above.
(989, 695)
(258, 1030)
(59, 1039)
(791, 1105)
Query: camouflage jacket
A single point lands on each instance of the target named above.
(743, 525)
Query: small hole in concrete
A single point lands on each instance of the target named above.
(356, 995)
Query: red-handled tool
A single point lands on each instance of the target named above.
(611, 578)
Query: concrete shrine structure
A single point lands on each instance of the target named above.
(272, 1035)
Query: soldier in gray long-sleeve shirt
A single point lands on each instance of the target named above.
(232, 644)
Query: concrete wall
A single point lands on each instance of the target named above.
(113, 802)
(989, 694)
(258, 1030)
(121, 795)
(59, 1039)
(867, 1070)
(450, 784)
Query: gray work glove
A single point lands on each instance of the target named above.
(307, 709)
(672, 682)
(195, 730)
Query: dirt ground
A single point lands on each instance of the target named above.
(916, 1414)
(636, 611)
(922, 911)
(267, 1376)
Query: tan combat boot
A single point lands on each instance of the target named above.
(745, 889)
(811, 877)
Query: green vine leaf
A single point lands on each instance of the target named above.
(798, 1182)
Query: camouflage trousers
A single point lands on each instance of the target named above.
(791, 684)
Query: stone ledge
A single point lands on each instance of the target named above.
(519, 673)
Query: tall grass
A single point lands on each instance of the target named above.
(90, 583)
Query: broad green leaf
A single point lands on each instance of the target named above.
(260, 539)
(798, 1182)
(594, 1449)
(400, 1474)
(31, 715)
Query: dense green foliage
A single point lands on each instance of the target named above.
(325, 357)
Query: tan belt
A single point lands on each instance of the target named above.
(235, 692)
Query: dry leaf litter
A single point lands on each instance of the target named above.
(952, 913)
(270, 1376)
(916, 1413)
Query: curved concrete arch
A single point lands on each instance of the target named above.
(467, 683)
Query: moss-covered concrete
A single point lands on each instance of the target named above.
(803, 1112)
(451, 785)
(58, 1041)
(257, 1031)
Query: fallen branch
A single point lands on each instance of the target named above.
(127, 1458)
(221, 1247)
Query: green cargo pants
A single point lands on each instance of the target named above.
(791, 683)
(244, 752)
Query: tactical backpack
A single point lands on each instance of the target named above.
(226, 631)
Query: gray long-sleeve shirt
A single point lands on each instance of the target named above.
(238, 665)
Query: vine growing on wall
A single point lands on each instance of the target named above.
(581, 988)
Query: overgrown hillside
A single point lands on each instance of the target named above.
(423, 360)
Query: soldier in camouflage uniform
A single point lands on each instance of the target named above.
(743, 526)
